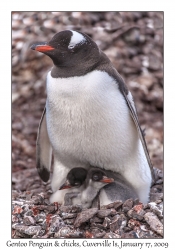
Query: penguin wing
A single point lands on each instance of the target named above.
(133, 113)
(43, 150)
(130, 103)
(107, 66)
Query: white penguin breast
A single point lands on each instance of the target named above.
(88, 119)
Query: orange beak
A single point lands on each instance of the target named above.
(66, 185)
(42, 47)
(106, 179)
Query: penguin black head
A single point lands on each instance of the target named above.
(75, 178)
(68, 48)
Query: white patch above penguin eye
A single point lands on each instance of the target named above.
(76, 38)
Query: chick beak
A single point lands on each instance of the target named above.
(106, 179)
(66, 185)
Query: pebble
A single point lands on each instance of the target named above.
(111, 235)
(32, 230)
(157, 209)
(154, 222)
(85, 216)
(106, 222)
(28, 220)
(103, 213)
(156, 196)
(127, 205)
(100, 234)
(118, 204)
(68, 215)
(96, 219)
(119, 222)
(63, 232)
(56, 223)
(136, 212)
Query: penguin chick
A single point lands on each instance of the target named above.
(95, 180)
(74, 183)
(120, 189)
(75, 178)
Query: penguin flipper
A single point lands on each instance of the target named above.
(123, 89)
(130, 103)
(140, 132)
(43, 150)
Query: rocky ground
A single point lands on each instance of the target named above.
(134, 43)
(34, 217)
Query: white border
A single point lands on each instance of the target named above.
(5, 98)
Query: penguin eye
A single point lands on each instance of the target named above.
(95, 177)
(70, 46)
(77, 184)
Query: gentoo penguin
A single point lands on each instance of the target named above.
(74, 183)
(90, 117)
(95, 180)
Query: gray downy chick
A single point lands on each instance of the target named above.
(95, 180)
(74, 184)
(120, 189)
